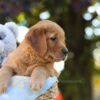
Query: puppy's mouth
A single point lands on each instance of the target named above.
(60, 59)
(57, 59)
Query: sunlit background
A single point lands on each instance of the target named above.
(81, 21)
(92, 31)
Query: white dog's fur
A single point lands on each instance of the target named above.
(8, 33)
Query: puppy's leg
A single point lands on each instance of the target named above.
(5, 76)
(38, 78)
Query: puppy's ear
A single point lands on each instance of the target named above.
(37, 39)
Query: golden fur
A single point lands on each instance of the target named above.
(36, 55)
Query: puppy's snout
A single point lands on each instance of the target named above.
(65, 51)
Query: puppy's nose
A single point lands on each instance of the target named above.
(65, 51)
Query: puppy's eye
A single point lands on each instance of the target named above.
(53, 38)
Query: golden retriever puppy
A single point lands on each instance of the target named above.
(43, 45)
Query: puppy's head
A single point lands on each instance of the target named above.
(48, 40)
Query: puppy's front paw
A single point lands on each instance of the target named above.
(3, 86)
(36, 84)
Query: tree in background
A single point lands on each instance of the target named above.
(75, 80)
